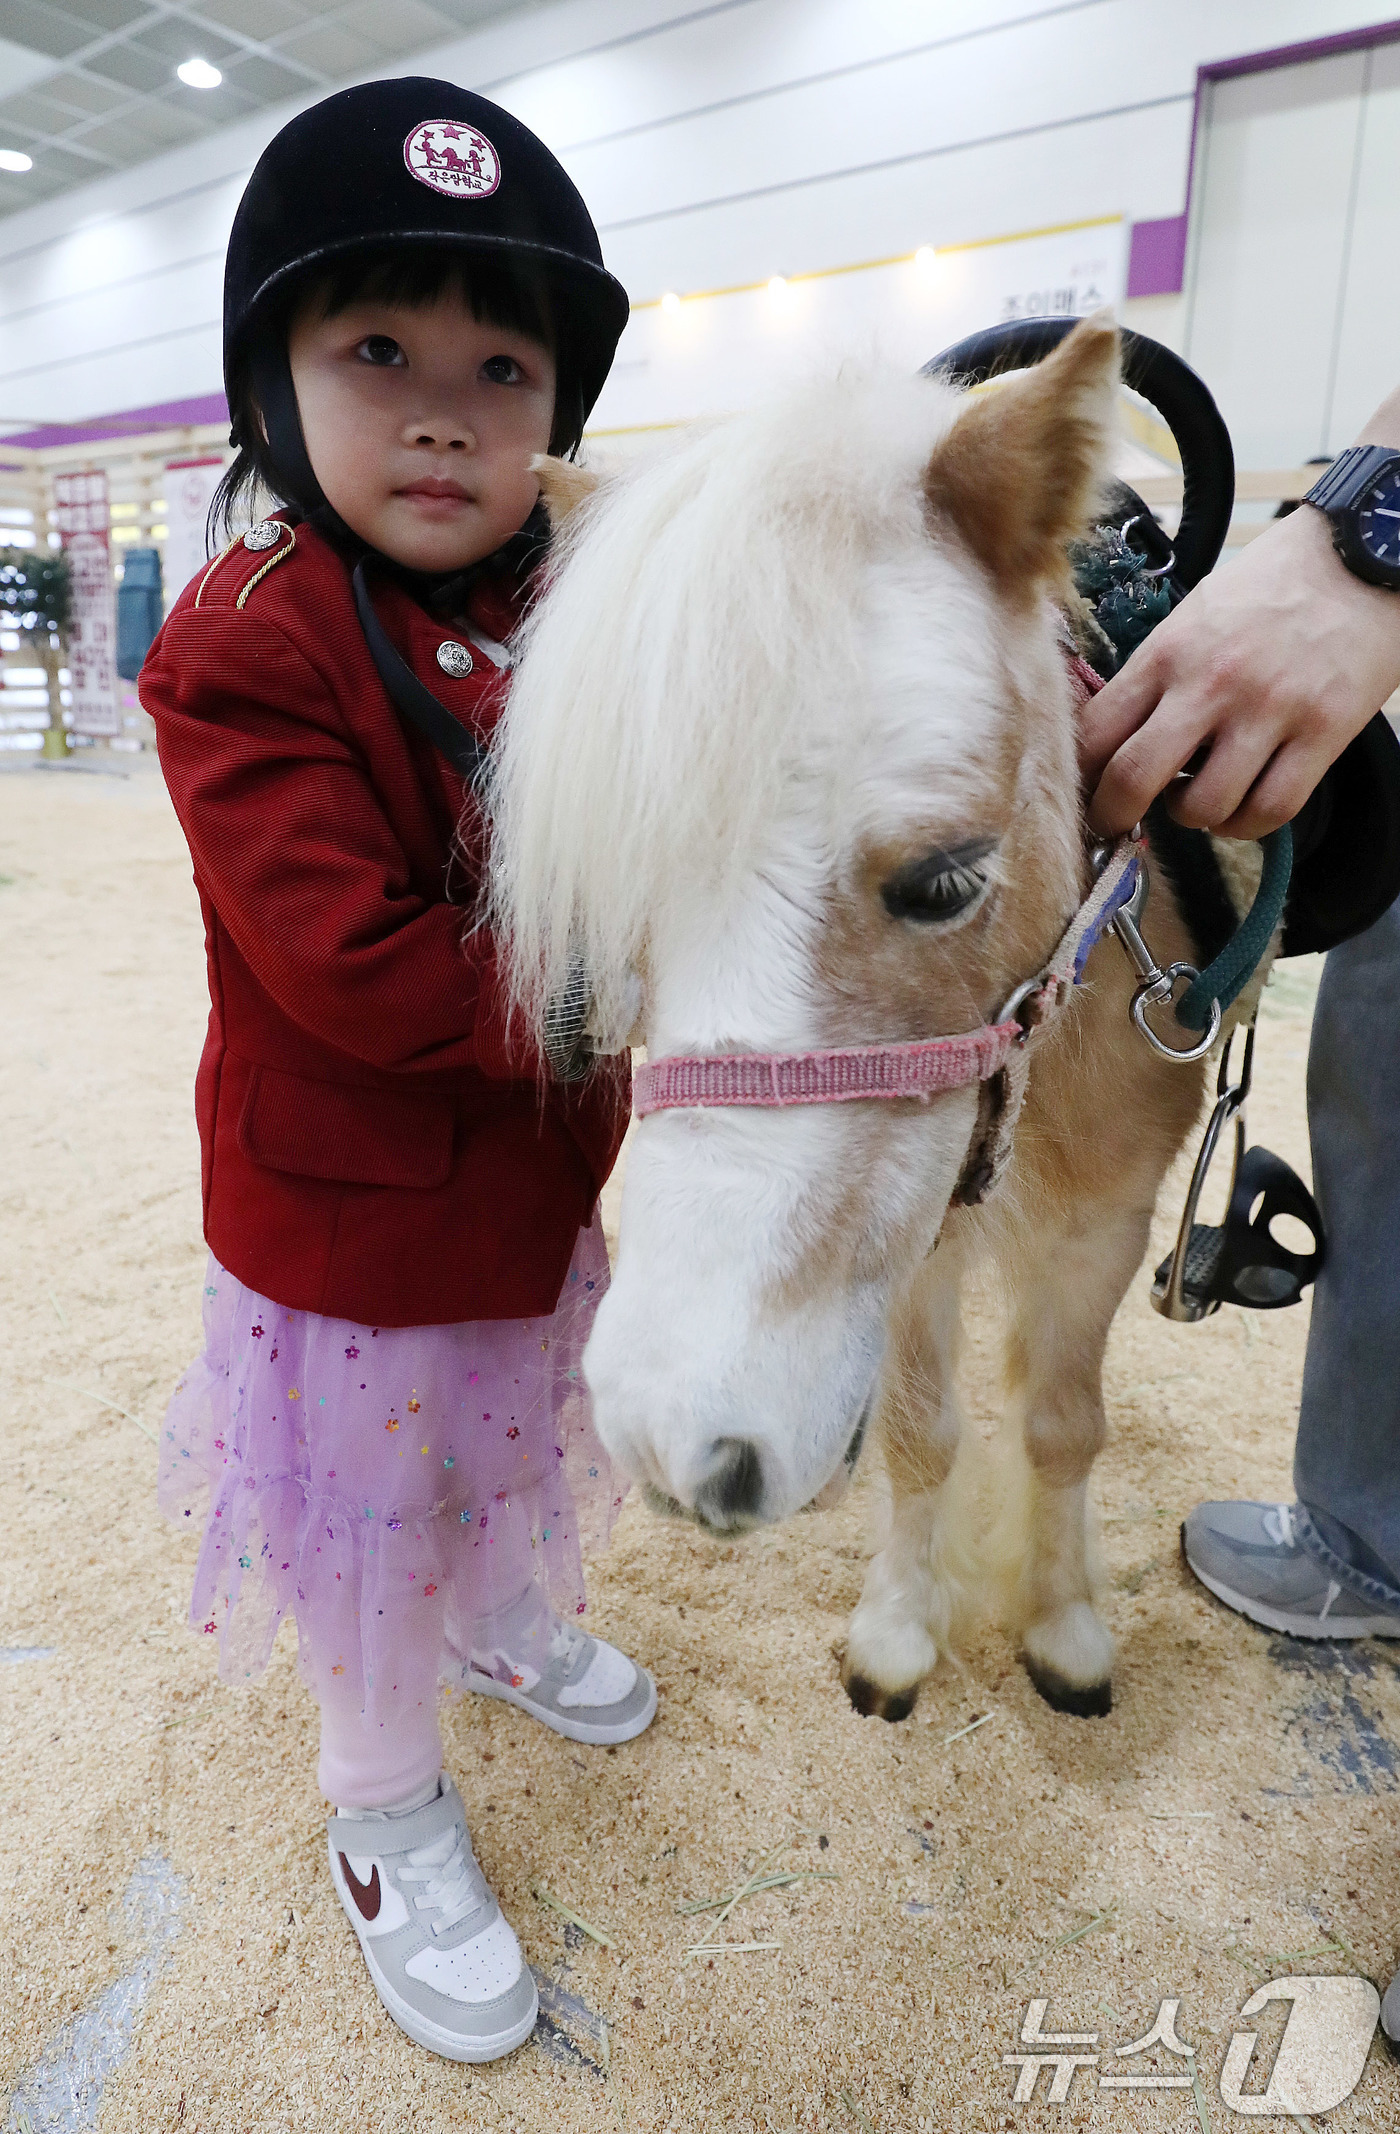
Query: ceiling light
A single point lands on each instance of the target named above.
(670, 302)
(198, 74)
(14, 159)
(925, 257)
(776, 284)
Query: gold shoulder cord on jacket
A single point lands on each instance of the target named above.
(279, 556)
(258, 575)
(223, 552)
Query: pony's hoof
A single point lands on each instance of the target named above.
(1093, 1700)
(872, 1702)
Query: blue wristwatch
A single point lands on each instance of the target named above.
(1360, 494)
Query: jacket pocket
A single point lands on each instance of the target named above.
(365, 1137)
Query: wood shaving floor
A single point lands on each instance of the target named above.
(162, 1844)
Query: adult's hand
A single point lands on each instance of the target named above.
(1272, 665)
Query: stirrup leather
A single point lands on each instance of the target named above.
(1239, 1261)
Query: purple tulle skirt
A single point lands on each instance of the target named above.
(387, 1485)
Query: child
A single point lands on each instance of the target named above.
(399, 1202)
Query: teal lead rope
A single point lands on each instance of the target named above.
(1225, 979)
(1128, 601)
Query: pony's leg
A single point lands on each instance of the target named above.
(1068, 1293)
(915, 1587)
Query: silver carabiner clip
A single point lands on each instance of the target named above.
(1160, 992)
(1158, 985)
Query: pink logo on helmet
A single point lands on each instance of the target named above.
(452, 158)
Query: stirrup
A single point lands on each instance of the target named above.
(1239, 1261)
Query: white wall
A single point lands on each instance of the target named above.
(1292, 306)
(708, 355)
(715, 143)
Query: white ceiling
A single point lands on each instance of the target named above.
(89, 86)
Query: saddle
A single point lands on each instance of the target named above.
(1345, 840)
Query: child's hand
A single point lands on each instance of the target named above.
(573, 1045)
(1272, 665)
(568, 1047)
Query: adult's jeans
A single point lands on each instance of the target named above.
(1346, 1466)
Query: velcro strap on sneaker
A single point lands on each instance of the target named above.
(389, 1837)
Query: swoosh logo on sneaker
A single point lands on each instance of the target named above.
(365, 1894)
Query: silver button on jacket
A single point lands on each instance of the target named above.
(454, 659)
(266, 534)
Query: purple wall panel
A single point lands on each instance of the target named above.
(1157, 257)
(132, 422)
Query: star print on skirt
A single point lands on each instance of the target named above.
(393, 1483)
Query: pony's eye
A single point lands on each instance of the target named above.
(381, 350)
(938, 887)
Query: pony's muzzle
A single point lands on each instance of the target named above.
(728, 1496)
(732, 1491)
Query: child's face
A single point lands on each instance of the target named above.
(420, 423)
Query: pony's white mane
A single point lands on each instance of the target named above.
(701, 615)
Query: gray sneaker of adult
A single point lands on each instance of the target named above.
(580, 1686)
(1249, 1556)
(1390, 2012)
(444, 1962)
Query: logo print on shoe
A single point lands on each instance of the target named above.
(365, 1894)
(452, 158)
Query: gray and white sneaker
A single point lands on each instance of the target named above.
(1390, 2013)
(1249, 1556)
(444, 1962)
(582, 1687)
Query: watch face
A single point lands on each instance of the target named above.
(1378, 517)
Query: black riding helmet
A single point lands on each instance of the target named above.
(408, 165)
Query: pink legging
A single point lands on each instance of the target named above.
(373, 1763)
(364, 1766)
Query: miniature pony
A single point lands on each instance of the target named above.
(789, 763)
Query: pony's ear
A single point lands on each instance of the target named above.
(563, 486)
(1020, 470)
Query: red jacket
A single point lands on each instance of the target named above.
(371, 1150)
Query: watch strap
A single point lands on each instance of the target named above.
(1349, 476)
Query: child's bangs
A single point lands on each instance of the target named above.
(496, 293)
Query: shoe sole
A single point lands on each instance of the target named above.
(447, 2044)
(1321, 1628)
(591, 1732)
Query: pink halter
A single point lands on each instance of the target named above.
(852, 1073)
(773, 1080)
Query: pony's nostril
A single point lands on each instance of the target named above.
(733, 1489)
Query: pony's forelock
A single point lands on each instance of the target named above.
(699, 618)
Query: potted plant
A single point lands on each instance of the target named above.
(35, 599)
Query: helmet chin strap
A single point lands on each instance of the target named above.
(276, 396)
